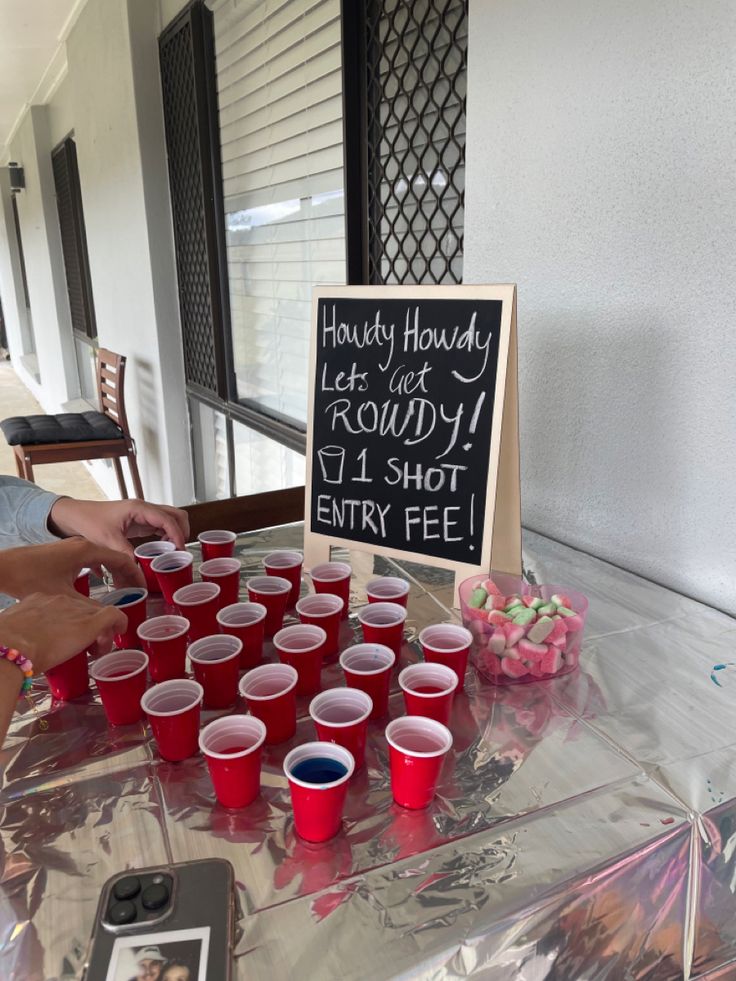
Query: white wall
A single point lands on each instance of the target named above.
(600, 178)
(110, 98)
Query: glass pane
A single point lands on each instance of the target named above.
(209, 447)
(86, 369)
(281, 137)
(262, 464)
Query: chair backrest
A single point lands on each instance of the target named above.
(111, 387)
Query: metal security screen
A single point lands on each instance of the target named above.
(73, 238)
(407, 97)
(186, 52)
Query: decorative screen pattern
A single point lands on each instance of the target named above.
(416, 59)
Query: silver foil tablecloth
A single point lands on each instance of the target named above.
(584, 828)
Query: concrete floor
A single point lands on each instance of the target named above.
(70, 479)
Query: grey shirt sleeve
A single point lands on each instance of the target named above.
(24, 513)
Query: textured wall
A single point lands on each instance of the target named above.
(600, 178)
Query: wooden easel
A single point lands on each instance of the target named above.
(501, 548)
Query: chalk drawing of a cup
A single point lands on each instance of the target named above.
(332, 461)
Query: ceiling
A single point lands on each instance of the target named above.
(30, 34)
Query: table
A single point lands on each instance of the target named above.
(585, 828)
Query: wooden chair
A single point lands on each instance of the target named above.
(102, 435)
(249, 513)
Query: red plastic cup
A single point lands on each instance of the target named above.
(172, 708)
(323, 610)
(368, 667)
(216, 662)
(145, 554)
(302, 647)
(81, 583)
(318, 807)
(245, 621)
(172, 570)
(232, 747)
(69, 679)
(429, 690)
(340, 716)
(287, 565)
(199, 603)
(121, 682)
(448, 644)
(273, 593)
(133, 603)
(417, 747)
(333, 577)
(383, 623)
(226, 573)
(270, 694)
(165, 641)
(217, 544)
(388, 589)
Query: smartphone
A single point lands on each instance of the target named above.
(168, 923)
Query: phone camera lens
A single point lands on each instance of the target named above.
(122, 913)
(127, 888)
(154, 897)
(157, 880)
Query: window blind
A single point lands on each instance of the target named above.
(280, 113)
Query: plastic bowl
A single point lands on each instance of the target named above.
(519, 660)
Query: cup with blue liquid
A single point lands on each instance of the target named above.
(318, 775)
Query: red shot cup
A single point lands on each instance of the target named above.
(121, 682)
(429, 690)
(302, 647)
(287, 565)
(383, 623)
(246, 622)
(333, 577)
(172, 570)
(145, 554)
(173, 708)
(199, 603)
(448, 644)
(164, 639)
(270, 694)
(323, 610)
(217, 544)
(226, 573)
(388, 589)
(273, 593)
(133, 603)
(318, 775)
(81, 583)
(69, 679)
(216, 663)
(340, 715)
(417, 748)
(232, 747)
(368, 667)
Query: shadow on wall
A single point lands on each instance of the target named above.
(604, 434)
(146, 434)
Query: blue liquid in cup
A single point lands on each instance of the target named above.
(319, 769)
(128, 598)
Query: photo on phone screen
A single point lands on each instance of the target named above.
(174, 955)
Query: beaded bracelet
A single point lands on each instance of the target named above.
(22, 662)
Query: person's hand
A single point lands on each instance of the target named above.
(53, 568)
(51, 629)
(112, 523)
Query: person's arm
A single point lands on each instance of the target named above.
(112, 523)
(24, 513)
(53, 568)
(50, 630)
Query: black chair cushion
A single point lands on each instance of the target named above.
(69, 427)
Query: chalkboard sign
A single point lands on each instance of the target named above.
(410, 390)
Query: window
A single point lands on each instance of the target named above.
(74, 238)
(280, 108)
(405, 90)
